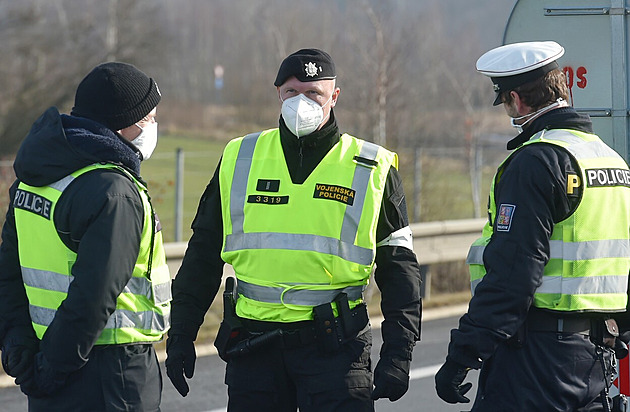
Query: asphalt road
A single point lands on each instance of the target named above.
(209, 394)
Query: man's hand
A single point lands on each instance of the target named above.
(17, 359)
(391, 378)
(42, 380)
(18, 353)
(448, 382)
(180, 361)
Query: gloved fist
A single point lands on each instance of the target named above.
(391, 378)
(17, 359)
(180, 361)
(448, 382)
(18, 352)
(43, 380)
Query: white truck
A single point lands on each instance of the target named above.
(594, 34)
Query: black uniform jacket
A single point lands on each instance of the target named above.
(535, 181)
(99, 216)
(397, 270)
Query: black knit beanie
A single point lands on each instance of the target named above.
(116, 95)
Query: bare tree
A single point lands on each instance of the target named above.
(54, 44)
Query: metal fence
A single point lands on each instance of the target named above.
(440, 183)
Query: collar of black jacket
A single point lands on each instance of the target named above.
(562, 118)
(328, 135)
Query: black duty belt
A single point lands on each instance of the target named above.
(543, 321)
(295, 334)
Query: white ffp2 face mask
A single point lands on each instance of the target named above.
(302, 115)
(519, 127)
(146, 140)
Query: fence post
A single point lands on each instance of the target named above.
(425, 276)
(417, 184)
(179, 193)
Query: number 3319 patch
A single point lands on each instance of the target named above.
(504, 218)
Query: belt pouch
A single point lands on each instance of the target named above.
(325, 328)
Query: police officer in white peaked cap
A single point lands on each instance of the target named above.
(551, 268)
(515, 64)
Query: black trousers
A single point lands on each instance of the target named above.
(550, 372)
(116, 378)
(278, 379)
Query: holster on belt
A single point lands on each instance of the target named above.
(331, 332)
(604, 332)
(231, 329)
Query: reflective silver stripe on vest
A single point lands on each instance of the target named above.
(162, 292)
(473, 285)
(475, 255)
(583, 285)
(592, 249)
(238, 191)
(58, 282)
(580, 148)
(62, 184)
(360, 183)
(304, 297)
(570, 251)
(293, 241)
(147, 320)
(343, 248)
(44, 279)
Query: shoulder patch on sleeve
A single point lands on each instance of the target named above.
(504, 217)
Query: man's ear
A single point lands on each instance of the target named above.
(520, 106)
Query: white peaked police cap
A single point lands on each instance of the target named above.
(515, 64)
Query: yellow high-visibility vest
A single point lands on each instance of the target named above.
(296, 246)
(590, 250)
(143, 308)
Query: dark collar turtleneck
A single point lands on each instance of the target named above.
(303, 154)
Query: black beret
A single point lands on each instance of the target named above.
(116, 95)
(307, 65)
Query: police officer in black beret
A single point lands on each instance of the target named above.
(302, 212)
(552, 265)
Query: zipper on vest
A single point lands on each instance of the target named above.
(300, 145)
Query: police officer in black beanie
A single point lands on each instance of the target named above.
(84, 286)
(302, 212)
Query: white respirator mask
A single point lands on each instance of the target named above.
(302, 115)
(147, 139)
(519, 127)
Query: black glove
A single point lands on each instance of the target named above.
(448, 382)
(18, 354)
(391, 378)
(17, 360)
(43, 380)
(621, 345)
(180, 361)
